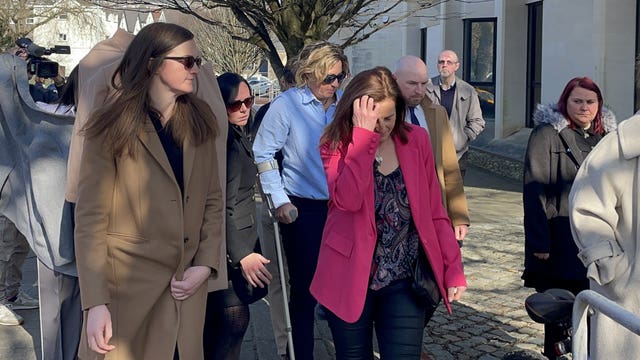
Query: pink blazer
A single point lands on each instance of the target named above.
(342, 276)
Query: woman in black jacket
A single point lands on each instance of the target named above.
(227, 315)
(564, 134)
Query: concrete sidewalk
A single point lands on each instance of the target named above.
(486, 324)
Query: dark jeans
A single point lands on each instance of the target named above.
(301, 242)
(398, 319)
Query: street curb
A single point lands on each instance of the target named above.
(496, 163)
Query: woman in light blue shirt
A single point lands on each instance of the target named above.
(294, 123)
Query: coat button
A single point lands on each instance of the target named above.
(186, 239)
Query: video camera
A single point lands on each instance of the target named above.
(36, 63)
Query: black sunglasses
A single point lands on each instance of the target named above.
(187, 61)
(237, 105)
(333, 77)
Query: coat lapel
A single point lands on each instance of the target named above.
(430, 117)
(151, 142)
(409, 159)
(242, 139)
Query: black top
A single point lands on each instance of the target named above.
(171, 148)
(447, 97)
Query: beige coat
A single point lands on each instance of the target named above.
(604, 217)
(197, 218)
(94, 73)
(94, 78)
(447, 168)
(134, 231)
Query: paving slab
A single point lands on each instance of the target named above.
(489, 321)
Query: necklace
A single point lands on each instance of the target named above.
(378, 158)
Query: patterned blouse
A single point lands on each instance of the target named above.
(397, 243)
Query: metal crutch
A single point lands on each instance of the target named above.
(283, 281)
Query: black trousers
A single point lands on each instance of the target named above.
(398, 320)
(301, 242)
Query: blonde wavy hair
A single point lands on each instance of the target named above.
(316, 59)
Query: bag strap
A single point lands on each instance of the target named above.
(572, 155)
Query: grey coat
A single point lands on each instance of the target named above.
(466, 116)
(553, 156)
(33, 163)
(604, 219)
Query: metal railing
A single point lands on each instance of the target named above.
(590, 299)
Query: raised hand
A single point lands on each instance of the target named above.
(365, 113)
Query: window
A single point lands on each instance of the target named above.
(63, 16)
(479, 61)
(423, 43)
(30, 21)
(534, 60)
(62, 37)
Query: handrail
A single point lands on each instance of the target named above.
(590, 298)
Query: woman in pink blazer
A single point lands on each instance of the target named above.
(384, 209)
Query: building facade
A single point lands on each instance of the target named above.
(81, 33)
(519, 53)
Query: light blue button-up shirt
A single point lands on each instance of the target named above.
(294, 123)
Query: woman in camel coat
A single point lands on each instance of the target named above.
(149, 209)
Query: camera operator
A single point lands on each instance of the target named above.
(41, 68)
(46, 94)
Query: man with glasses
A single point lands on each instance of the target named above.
(460, 99)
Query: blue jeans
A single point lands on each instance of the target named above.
(399, 322)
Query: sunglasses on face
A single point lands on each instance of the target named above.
(237, 105)
(187, 61)
(333, 77)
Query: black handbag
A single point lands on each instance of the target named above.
(244, 291)
(423, 284)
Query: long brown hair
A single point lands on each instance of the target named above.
(125, 116)
(379, 84)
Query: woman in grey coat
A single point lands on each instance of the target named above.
(564, 134)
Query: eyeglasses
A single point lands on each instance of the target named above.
(237, 105)
(448, 62)
(187, 61)
(333, 77)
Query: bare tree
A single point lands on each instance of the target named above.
(19, 18)
(221, 47)
(293, 23)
